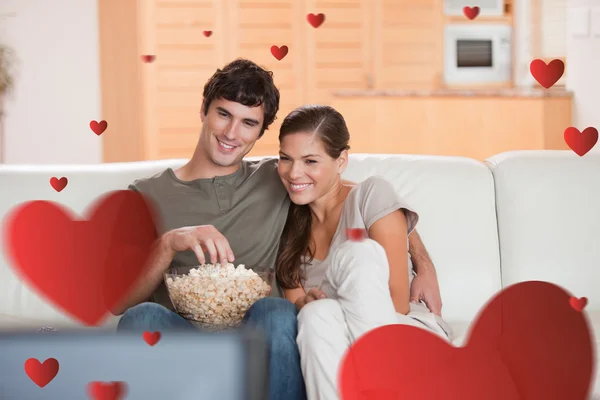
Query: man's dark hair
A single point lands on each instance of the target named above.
(244, 82)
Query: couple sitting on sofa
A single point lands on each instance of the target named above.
(291, 214)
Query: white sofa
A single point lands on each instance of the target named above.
(528, 215)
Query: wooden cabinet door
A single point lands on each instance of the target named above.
(408, 44)
(173, 30)
(335, 56)
(339, 52)
(253, 28)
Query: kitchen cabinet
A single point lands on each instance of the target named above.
(153, 108)
(447, 122)
(407, 44)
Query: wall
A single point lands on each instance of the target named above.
(583, 56)
(522, 41)
(58, 89)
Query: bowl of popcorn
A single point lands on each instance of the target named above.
(215, 297)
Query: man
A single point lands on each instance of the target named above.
(232, 210)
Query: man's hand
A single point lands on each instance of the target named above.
(201, 239)
(425, 287)
(311, 295)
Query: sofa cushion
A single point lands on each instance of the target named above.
(454, 197)
(548, 206)
(85, 184)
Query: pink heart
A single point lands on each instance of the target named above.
(148, 58)
(151, 337)
(581, 142)
(98, 127)
(315, 20)
(279, 52)
(471, 12)
(578, 304)
(547, 74)
(41, 373)
(58, 184)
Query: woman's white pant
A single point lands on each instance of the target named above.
(359, 300)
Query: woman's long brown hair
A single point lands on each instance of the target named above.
(329, 126)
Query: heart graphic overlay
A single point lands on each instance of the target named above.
(207, 33)
(527, 343)
(107, 390)
(148, 58)
(151, 337)
(41, 373)
(84, 267)
(279, 52)
(581, 142)
(98, 127)
(58, 184)
(356, 234)
(547, 74)
(381, 394)
(471, 12)
(578, 304)
(315, 20)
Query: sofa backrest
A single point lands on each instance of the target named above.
(548, 206)
(454, 197)
(21, 183)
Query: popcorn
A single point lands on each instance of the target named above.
(216, 297)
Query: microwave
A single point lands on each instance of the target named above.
(477, 54)
(487, 8)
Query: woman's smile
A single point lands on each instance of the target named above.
(299, 187)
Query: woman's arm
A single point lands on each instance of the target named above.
(294, 294)
(391, 232)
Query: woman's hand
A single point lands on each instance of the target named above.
(313, 294)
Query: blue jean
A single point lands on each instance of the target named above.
(276, 317)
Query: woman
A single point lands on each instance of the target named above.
(358, 286)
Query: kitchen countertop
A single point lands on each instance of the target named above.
(515, 92)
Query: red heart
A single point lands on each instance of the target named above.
(471, 12)
(380, 394)
(107, 390)
(207, 33)
(148, 58)
(151, 337)
(84, 267)
(581, 142)
(98, 127)
(315, 20)
(356, 234)
(527, 343)
(41, 373)
(279, 52)
(547, 74)
(58, 184)
(578, 304)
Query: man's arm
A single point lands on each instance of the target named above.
(418, 254)
(425, 285)
(161, 258)
(196, 238)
